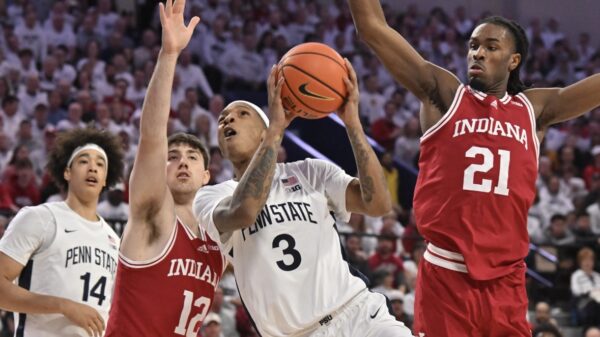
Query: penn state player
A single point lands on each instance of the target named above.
(168, 266)
(478, 167)
(63, 255)
(274, 221)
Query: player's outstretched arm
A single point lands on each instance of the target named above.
(555, 105)
(369, 194)
(430, 83)
(241, 209)
(148, 180)
(17, 299)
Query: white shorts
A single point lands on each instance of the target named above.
(366, 315)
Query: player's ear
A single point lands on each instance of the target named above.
(67, 174)
(515, 60)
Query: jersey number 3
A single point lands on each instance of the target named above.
(291, 243)
(485, 185)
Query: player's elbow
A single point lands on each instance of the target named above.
(379, 207)
(237, 218)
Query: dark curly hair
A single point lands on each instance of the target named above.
(67, 142)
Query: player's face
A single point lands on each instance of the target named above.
(87, 174)
(186, 171)
(491, 57)
(240, 132)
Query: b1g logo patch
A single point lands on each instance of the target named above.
(291, 184)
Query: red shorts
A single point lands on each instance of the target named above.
(448, 303)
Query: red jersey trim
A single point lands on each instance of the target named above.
(446, 254)
(532, 119)
(151, 262)
(447, 116)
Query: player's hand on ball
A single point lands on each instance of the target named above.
(349, 111)
(175, 34)
(85, 317)
(279, 119)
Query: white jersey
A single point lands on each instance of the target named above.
(66, 256)
(288, 264)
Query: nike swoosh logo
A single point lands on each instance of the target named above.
(70, 231)
(375, 314)
(303, 90)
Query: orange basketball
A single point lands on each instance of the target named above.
(314, 85)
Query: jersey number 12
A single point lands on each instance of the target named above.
(187, 329)
(485, 186)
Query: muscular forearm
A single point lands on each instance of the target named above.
(17, 299)
(373, 189)
(253, 189)
(157, 103)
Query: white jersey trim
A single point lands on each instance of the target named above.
(532, 119)
(459, 267)
(445, 253)
(446, 117)
(151, 262)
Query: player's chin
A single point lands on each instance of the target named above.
(477, 83)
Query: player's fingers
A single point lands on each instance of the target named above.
(88, 330)
(278, 88)
(271, 81)
(97, 327)
(178, 6)
(193, 23)
(102, 323)
(161, 12)
(169, 8)
(351, 71)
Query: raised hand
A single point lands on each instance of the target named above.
(349, 111)
(278, 117)
(175, 34)
(85, 317)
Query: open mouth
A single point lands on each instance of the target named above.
(229, 132)
(183, 175)
(91, 180)
(475, 69)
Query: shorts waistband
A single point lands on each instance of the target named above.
(326, 320)
(445, 258)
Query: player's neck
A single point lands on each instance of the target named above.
(85, 208)
(186, 216)
(239, 168)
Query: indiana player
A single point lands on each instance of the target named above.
(478, 167)
(62, 254)
(274, 221)
(168, 266)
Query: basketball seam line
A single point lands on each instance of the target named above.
(313, 53)
(316, 79)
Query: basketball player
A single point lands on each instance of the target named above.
(168, 267)
(63, 254)
(274, 221)
(478, 168)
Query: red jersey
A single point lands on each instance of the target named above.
(478, 167)
(169, 295)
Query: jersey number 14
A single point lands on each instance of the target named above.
(485, 185)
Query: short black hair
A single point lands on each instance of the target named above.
(558, 216)
(68, 141)
(193, 142)
(515, 85)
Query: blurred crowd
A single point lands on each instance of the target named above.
(68, 64)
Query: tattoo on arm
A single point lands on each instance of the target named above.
(257, 182)
(362, 160)
(435, 98)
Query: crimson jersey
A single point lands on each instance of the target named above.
(478, 167)
(169, 295)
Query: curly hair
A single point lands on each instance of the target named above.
(67, 142)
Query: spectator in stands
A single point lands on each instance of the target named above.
(73, 120)
(114, 207)
(385, 259)
(407, 145)
(553, 199)
(225, 313)
(396, 298)
(371, 100)
(384, 130)
(22, 188)
(546, 330)
(558, 232)
(12, 115)
(585, 288)
(594, 167)
(594, 211)
(356, 256)
(19, 152)
(582, 230)
(542, 316)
